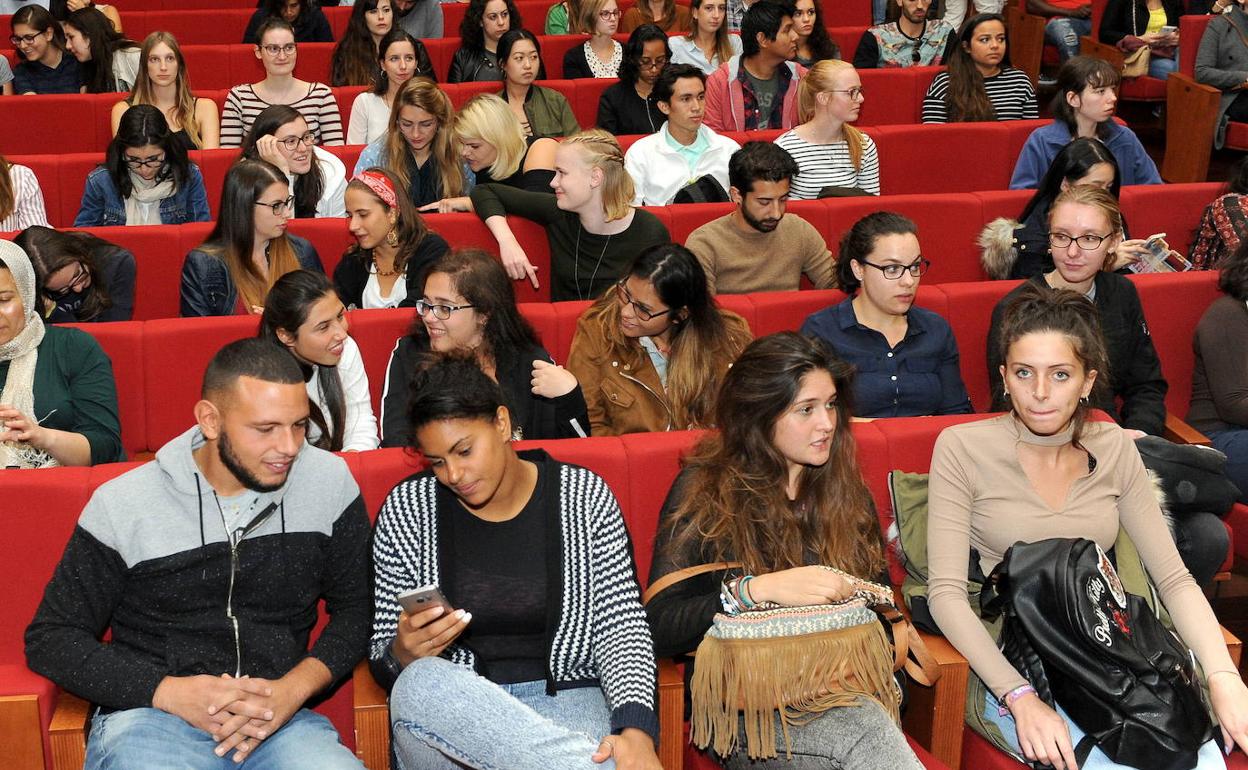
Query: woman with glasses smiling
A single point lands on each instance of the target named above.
(601, 55)
(44, 65)
(146, 178)
(629, 107)
(232, 271)
(280, 136)
(468, 308)
(315, 101)
(828, 150)
(905, 357)
(81, 278)
(651, 352)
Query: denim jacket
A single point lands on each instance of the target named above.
(208, 290)
(102, 204)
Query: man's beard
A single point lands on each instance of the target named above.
(235, 466)
(761, 225)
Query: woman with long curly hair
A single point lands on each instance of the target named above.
(110, 62)
(485, 22)
(354, 62)
(813, 42)
(980, 84)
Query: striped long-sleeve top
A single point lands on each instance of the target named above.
(318, 107)
(28, 209)
(1010, 92)
(601, 637)
(830, 165)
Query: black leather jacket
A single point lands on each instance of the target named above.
(468, 66)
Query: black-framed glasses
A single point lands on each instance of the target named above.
(155, 161)
(643, 312)
(291, 143)
(657, 62)
(440, 312)
(17, 40)
(609, 15)
(75, 283)
(278, 207)
(894, 271)
(1087, 241)
(272, 49)
(854, 93)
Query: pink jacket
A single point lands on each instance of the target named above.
(725, 98)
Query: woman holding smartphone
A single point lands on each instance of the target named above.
(536, 666)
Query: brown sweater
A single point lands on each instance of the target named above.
(979, 497)
(737, 262)
(1220, 373)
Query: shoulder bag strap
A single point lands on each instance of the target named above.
(672, 578)
(909, 651)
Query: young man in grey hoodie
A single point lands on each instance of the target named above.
(208, 565)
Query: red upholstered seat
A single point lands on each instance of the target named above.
(1173, 209)
(972, 304)
(1173, 305)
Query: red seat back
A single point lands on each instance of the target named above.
(1173, 305)
(970, 318)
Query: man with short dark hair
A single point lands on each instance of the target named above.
(207, 566)
(913, 40)
(758, 89)
(756, 247)
(422, 19)
(683, 150)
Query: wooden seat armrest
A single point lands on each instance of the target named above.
(1233, 646)
(1181, 433)
(1191, 118)
(671, 714)
(372, 719)
(1089, 46)
(1025, 40)
(68, 732)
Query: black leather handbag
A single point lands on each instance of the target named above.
(1082, 641)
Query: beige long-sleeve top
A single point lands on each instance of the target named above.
(979, 497)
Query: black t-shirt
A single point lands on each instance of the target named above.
(499, 575)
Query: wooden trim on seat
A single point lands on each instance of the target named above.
(671, 714)
(1180, 432)
(1025, 33)
(372, 719)
(1191, 118)
(19, 732)
(68, 732)
(1233, 646)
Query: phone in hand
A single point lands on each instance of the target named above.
(1168, 30)
(423, 598)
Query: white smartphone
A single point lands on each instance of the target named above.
(1169, 30)
(421, 599)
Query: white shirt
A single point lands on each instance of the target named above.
(372, 298)
(685, 51)
(360, 431)
(333, 202)
(658, 171)
(370, 116)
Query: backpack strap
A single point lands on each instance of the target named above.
(672, 578)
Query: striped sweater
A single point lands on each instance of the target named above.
(602, 637)
(830, 165)
(1010, 92)
(318, 107)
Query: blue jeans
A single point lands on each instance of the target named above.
(879, 9)
(1234, 444)
(1064, 32)
(446, 716)
(1160, 67)
(155, 740)
(1209, 758)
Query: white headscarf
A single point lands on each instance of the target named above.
(22, 353)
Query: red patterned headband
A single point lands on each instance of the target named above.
(380, 185)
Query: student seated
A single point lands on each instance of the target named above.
(1087, 92)
(248, 249)
(778, 489)
(757, 247)
(762, 76)
(80, 278)
(1068, 20)
(484, 24)
(419, 138)
(629, 107)
(563, 18)
(1223, 225)
(600, 56)
(980, 84)
(651, 352)
(61, 9)
(684, 149)
(400, 58)
(421, 20)
(277, 51)
(813, 42)
(830, 152)
(905, 357)
(109, 62)
(913, 40)
(146, 178)
(318, 179)
(164, 83)
(496, 151)
(393, 246)
(1220, 62)
(198, 667)
(305, 17)
(1130, 24)
(58, 400)
(44, 66)
(468, 307)
(667, 15)
(303, 314)
(21, 198)
(354, 61)
(542, 112)
(592, 227)
(708, 44)
(561, 659)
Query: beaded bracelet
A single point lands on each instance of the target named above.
(743, 592)
(1008, 699)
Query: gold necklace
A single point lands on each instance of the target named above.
(384, 273)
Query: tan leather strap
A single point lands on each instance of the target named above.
(672, 578)
(909, 651)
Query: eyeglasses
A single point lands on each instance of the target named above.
(291, 143)
(155, 161)
(273, 49)
(657, 62)
(1087, 242)
(17, 40)
(441, 312)
(854, 94)
(643, 312)
(894, 271)
(279, 206)
(609, 15)
(75, 283)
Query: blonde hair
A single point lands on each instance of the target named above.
(599, 149)
(425, 94)
(587, 19)
(819, 79)
(1099, 199)
(487, 118)
(183, 99)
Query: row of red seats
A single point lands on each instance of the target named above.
(894, 98)
(157, 364)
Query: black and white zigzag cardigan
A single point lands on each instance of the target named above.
(599, 635)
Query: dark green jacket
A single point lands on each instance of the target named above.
(549, 113)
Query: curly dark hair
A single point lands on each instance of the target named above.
(471, 34)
